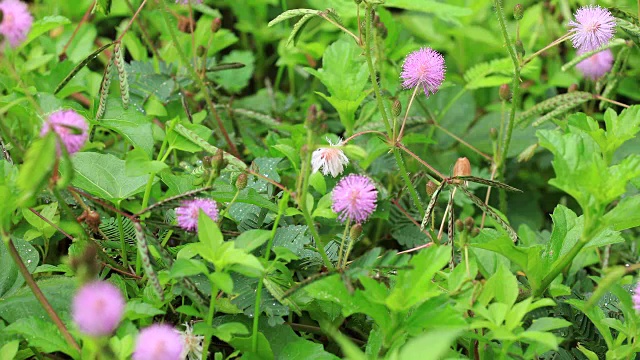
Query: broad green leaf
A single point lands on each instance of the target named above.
(138, 163)
(548, 323)
(345, 75)
(22, 304)
(416, 285)
(37, 167)
(43, 25)
(43, 335)
(43, 228)
(502, 286)
(10, 277)
(130, 123)
(208, 231)
(237, 79)
(104, 175)
(136, 309)
(625, 215)
(9, 350)
(432, 345)
(252, 239)
(187, 267)
(545, 338)
(596, 316)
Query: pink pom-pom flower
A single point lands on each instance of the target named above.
(187, 214)
(596, 65)
(16, 21)
(593, 28)
(424, 67)
(71, 128)
(354, 197)
(158, 342)
(98, 308)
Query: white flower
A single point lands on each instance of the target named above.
(192, 344)
(330, 159)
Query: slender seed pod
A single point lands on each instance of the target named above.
(122, 75)
(143, 249)
(104, 89)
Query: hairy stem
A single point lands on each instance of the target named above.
(372, 71)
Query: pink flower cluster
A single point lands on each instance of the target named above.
(354, 198)
(70, 127)
(424, 67)
(187, 214)
(16, 21)
(593, 27)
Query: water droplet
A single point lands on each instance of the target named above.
(28, 261)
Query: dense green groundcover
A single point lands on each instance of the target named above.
(506, 210)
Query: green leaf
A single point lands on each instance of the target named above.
(345, 75)
(208, 231)
(138, 163)
(104, 175)
(187, 267)
(544, 338)
(22, 303)
(43, 335)
(502, 286)
(9, 350)
(10, 277)
(235, 80)
(415, 285)
(137, 309)
(130, 123)
(79, 67)
(437, 342)
(252, 239)
(625, 215)
(291, 154)
(37, 167)
(104, 6)
(548, 324)
(42, 26)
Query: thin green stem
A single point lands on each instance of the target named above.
(407, 181)
(194, 75)
(552, 44)
(256, 316)
(372, 71)
(506, 140)
(406, 114)
(123, 244)
(342, 261)
(212, 310)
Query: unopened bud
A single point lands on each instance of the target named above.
(469, 223)
(573, 87)
(475, 232)
(518, 11)
(206, 162)
(355, 232)
(185, 24)
(431, 187)
(519, 48)
(217, 162)
(201, 51)
(493, 133)
(462, 168)
(241, 181)
(216, 24)
(504, 92)
(396, 108)
(93, 220)
(312, 114)
(459, 225)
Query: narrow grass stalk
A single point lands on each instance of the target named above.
(342, 261)
(37, 292)
(197, 79)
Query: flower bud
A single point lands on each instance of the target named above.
(206, 162)
(186, 24)
(312, 114)
(493, 133)
(355, 232)
(396, 108)
(431, 188)
(518, 11)
(504, 92)
(459, 225)
(217, 162)
(519, 48)
(201, 51)
(572, 88)
(469, 223)
(462, 168)
(216, 24)
(241, 181)
(475, 232)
